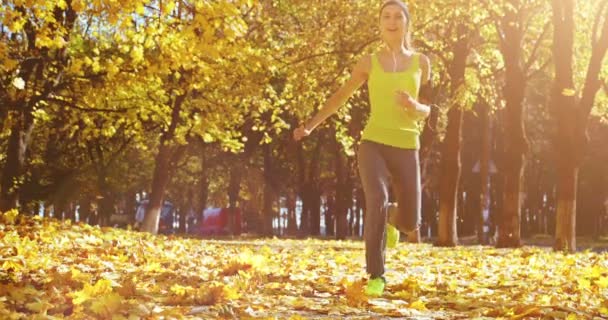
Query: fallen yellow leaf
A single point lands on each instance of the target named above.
(418, 305)
(355, 294)
(107, 305)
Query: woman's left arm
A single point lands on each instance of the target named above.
(425, 64)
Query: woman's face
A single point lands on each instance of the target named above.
(393, 22)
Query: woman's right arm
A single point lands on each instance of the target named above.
(358, 77)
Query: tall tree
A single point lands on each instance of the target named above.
(571, 109)
(450, 156)
(194, 87)
(511, 33)
(35, 66)
(49, 53)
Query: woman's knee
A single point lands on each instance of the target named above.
(377, 200)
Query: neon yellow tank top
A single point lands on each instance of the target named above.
(389, 123)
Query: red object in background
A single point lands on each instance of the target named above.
(215, 221)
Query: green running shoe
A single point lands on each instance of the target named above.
(375, 287)
(392, 236)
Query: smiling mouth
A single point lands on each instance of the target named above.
(391, 30)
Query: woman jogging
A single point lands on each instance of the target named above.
(388, 152)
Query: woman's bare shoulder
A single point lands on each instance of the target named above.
(425, 65)
(424, 59)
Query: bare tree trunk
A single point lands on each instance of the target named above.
(94, 216)
(315, 210)
(166, 159)
(84, 211)
(348, 194)
(565, 236)
(450, 161)
(106, 207)
(428, 140)
(203, 183)
(330, 214)
(31, 70)
(47, 210)
(292, 225)
(509, 233)
(160, 181)
(302, 190)
(185, 211)
(358, 212)
(13, 171)
(590, 202)
(233, 198)
(27, 205)
(469, 207)
(450, 174)
(343, 195)
(484, 175)
(572, 115)
(528, 217)
(277, 215)
(130, 205)
(59, 208)
(311, 202)
(269, 193)
(267, 211)
(516, 143)
(71, 211)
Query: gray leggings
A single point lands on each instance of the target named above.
(380, 165)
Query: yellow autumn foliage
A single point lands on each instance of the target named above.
(79, 271)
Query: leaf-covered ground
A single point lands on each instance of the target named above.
(52, 270)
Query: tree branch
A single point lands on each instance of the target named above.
(592, 81)
(118, 152)
(92, 157)
(436, 53)
(73, 105)
(425, 24)
(501, 35)
(532, 57)
(312, 56)
(596, 23)
(539, 70)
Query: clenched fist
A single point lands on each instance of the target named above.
(300, 133)
(405, 100)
